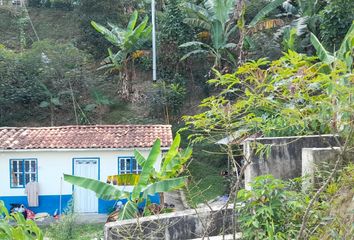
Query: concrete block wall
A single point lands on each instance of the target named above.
(285, 158)
(317, 163)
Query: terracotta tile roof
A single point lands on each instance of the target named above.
(82, 137)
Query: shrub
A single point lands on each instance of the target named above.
(64, 228)
(271, 210)
(337, 18)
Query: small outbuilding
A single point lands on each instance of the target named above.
(42, 155)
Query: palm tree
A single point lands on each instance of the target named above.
(215, 18)
(129, 41)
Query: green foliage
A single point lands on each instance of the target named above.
(339, 221)
(213, 16)
(116, 11)
(45, 75)
(34, 3)
(265, 11)
(290, 96)
(63, 4)
(168, 98)
(128, 41)
(344, 53)
(79, 231)
(336, 19)
(172, 32)
(64, 228)
(150, 181)
(173, 29)
(14, 226)
(271, 210)
(294, 19)
(253, 7)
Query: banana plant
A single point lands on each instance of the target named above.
(305, 18)
(150, 181)
(344, 53)
(173, 163)
(14, 226)
(128, 41)
(215, 17)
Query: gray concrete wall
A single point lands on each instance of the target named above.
(177, 225)
(284, 161)
(317, 164)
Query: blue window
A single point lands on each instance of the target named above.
(128, 165)
(22, 171)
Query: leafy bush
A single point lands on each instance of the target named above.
(271, 210)
(46, 73)
(63, 4)
(337, 18)
(338, 223)
(64, 228)
(34, 3)
(14, 226)
(167, 98)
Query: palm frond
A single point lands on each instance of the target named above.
(194, 44)
(132, 21)
(164, 186)
(322, 53)
(195, 22)
(221, 9)
(300, 25)
(194, 52)
(103, 190)
(111, 37)
(265, 11)
(230, 45)
(267, 24)
(196, 10)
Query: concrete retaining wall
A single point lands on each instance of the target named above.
(284, 160)
(317, 163)
(177, 225)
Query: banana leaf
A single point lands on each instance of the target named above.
(103, 190)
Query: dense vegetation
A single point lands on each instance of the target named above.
(277, 68)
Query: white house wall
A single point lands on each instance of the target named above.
(52, 164)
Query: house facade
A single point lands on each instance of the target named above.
(43, 155)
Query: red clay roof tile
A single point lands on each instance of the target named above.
(85, 136)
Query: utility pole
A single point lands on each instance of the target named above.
(154, 66)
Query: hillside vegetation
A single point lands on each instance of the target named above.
(226, 68)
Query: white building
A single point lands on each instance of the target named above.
(44, 154)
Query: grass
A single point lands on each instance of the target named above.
(80, 232)
(207, 183)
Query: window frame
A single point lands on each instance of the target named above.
(23, 170)
(131, 170)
